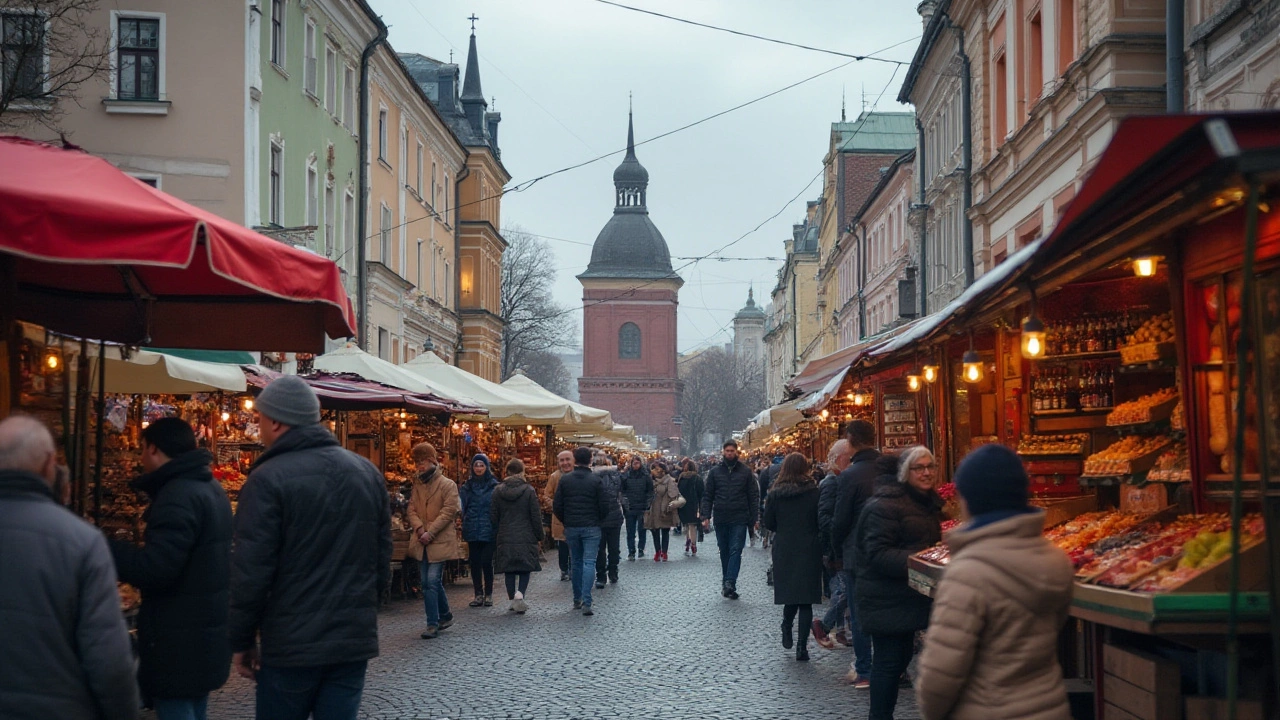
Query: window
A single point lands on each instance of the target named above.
(313, 195)
(434, 200)
(382, 134)
(22, 54)
(309, 59)
(384, 344)
(349, 98)
(277, 32)
(331, 80)
(1066, 34)
(349, 238)
(1035, 61)
(435, 251)
(447, 294)
(395, 350)
(418, 186)
(629, 341)
(330, 211)
(152, 180)
(384, 237)
(274, 199)
(138, 59)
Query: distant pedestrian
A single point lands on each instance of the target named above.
(902, 518)
(182, 571)
(66, 649)
(517, 522)
(477, 529)
(637, 486)
(838, 606)
(564, 463)
(311, 557)
(581, 504)
(664, 512)
(732, 500)
(433, 507)
(854, 487)
(992, 647)
(791, 512)
(691, 488)
(610, 552)
(765, 477)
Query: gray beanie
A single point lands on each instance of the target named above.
(290, 400)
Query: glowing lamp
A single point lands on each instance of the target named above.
(226, 416)
(913, 382)
(1146, 265)
(480, 426)
(825, 414)
(146, 424)
(859, 399)
(248, 404)
(403, 425)
(52, 360)
(973, 370)
(930, 373)
(1032, 337)
(528, 428)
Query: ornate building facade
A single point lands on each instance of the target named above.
(629, 298)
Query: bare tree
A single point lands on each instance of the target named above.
(721, 393)
(50, 49)
(535, 323)
(548, 370)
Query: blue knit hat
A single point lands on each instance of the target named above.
(992, 478)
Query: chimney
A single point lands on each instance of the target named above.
(927, 8)
(491, 120)
(447, 81)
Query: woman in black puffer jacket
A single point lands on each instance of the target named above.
(902, 518)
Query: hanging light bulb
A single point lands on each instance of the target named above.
(226, 416)
(1032, 337)
(528, 428)
(913, 381)
(848, 417)
(146, 424)
(849, 396)
(930, 373)
(403, 425)
(1146, 265)
(825, 414)
(248, 404)
(52, 360)
(859, 399)
(973, 370)
(480, 426)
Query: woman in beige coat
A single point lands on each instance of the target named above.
(564, 461)
(664, 510)
(991, 651)
(433, 506)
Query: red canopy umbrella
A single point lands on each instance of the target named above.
(87, 250)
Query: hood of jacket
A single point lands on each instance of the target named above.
(512, 487)
(488, 470)
(305, 437)
(790, 490)
(194, 465)
(1020, 563)
(688, 474)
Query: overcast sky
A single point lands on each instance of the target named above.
(560, 72)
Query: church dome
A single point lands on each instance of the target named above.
(631, 171)
(750, 311)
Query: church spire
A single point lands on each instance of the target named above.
(631, 133)
(473, 102)
(630, 180)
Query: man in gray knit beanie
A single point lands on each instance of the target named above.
(312, 535)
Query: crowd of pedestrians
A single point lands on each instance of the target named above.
(287, 592)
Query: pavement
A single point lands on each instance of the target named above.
(662, 644)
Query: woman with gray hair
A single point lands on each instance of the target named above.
(902, 518)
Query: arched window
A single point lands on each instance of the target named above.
(629, 341)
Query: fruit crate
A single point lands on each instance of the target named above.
(1141, 353)
(1155, 413)
(1135, 466)
(1060, 510)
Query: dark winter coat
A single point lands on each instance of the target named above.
(766, 478)
(854, 487)
(791, 512)
(183, 571)
(580, 499)
(637, 487)
(475, 495)
(732, 495)
(691, 487)
(312, 553)
(897, 522)
(517, 521)
(612, 480)
(827, 491)
(66, 649)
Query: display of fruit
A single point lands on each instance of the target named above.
(1139, 411)
(1116, 459)
(1160, 543)
(231, 478)
(947, 492)
(1052, 444)
(1206, 549)
(1173, 465)
(1178, 419)
(1156, 329)
(1076, 537)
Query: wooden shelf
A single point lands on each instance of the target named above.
(1071, 411)
(1099, 355)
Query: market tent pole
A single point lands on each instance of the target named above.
(100, 431)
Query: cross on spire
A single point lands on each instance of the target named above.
(473, 20)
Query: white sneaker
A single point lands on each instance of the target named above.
(519, 605)
(519, 595)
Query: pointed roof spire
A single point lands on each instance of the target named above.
(471, 83)
(631, 133)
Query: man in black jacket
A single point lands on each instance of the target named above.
(611, 529)
(581, 504)
(183, 572)
(732, 499)
(312, 554)
(66, 651)
(854, 487)
(637, 487)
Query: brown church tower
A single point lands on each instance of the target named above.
(629, 299)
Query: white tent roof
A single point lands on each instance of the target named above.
(505, 404)
(150, 373)
(588, 418)
(351, 359)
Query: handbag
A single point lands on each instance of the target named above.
(678, 503)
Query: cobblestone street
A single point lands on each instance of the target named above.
(663, 644)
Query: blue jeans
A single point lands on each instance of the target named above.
(433, 597)
(861, 638)
(584, 543)
(327, 692)
(181, 708)
(731, 539)
(635, 527)
(893, 655)
(838, 605)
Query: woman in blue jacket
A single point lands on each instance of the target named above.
(476, 495)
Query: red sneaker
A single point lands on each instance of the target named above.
(820, 635)
(843, 638)
(657, 556)
(695, 548)
(664, 556)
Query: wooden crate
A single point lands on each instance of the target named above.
(1145, 686)
(1057, 512)
(1155, 413)
(1140, 353)
(1150, 498)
